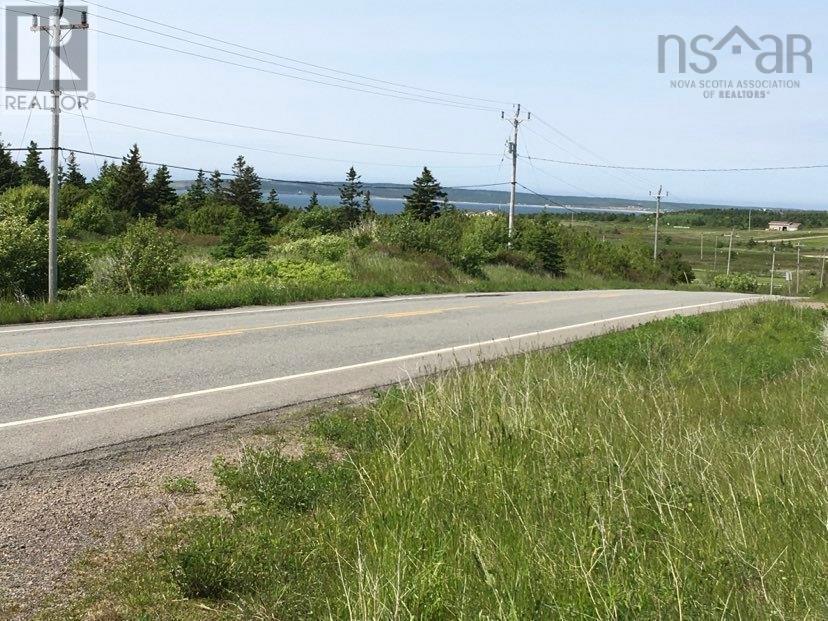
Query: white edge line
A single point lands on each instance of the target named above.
(68, 325)
(363, 365)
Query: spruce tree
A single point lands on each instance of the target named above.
(426, 197)
(276, 210)
(131, 193)
(350, 204)
(33, 171)
(73, 174)
(9, 170)
(245, 192)
(197, 192)
(217, 190)
(368, 211)
(161, 193)
(313, 203)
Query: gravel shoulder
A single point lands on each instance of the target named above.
(54, 515)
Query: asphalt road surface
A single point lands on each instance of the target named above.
(74, 386)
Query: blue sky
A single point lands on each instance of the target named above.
(588, 68)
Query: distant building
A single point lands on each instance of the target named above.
(784, 226)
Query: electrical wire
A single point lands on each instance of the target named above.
(418, 99)
(263, 150)
(288, 133)
(685, 170)
(270, 179)
(285, 58)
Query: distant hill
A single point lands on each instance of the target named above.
(483, 196)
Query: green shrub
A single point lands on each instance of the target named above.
(69, 198)
(93, 216)
(212, 219)
(321, 248)
(271, 272)
(241, 238)
(675, 268)
(741, 283)
(29, 201)
(443, 236)
(517, 259)
(489, 233)
(311, 223)
(539, 237)
(144, 260)
(24, 259)
(583, 251)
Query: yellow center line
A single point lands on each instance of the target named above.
(225, 333)
(603, 296)
(161, 340)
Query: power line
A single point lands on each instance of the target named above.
(260, 149)
(413, 97)
(288, 133)
(289, 59)
(585, 149)
(276, 64)
(392, 93)
(271, 179)
(683, 170)
(567, 151)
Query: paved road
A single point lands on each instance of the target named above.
(73, 386)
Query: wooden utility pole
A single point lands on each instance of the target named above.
(730, 250)
(658, 196)
(798, 265)
(54, 30)
(773, 269)
(513, 150)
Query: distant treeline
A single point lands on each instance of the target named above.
(744, 219)
(710, 218)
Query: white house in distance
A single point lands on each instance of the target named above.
(784, 226)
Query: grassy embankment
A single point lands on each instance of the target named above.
(365, 273)
(674, 471)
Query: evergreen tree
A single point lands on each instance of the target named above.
(9, 170)
(368, 211)
(217, 190)
(350, 195)
(33, 170)
(313, 203)
(540, 237)
(241, 238)
(245, 193)
(131, 193)
(426, 197)
(275, 208)
(73, 175)
(197, 192)
(160, 192)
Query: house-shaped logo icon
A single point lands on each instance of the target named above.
(736, 48)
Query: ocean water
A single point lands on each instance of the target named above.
(395, 205)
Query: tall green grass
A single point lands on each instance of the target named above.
(372, 277)
(677, 471)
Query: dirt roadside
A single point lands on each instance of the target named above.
(55, 514)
